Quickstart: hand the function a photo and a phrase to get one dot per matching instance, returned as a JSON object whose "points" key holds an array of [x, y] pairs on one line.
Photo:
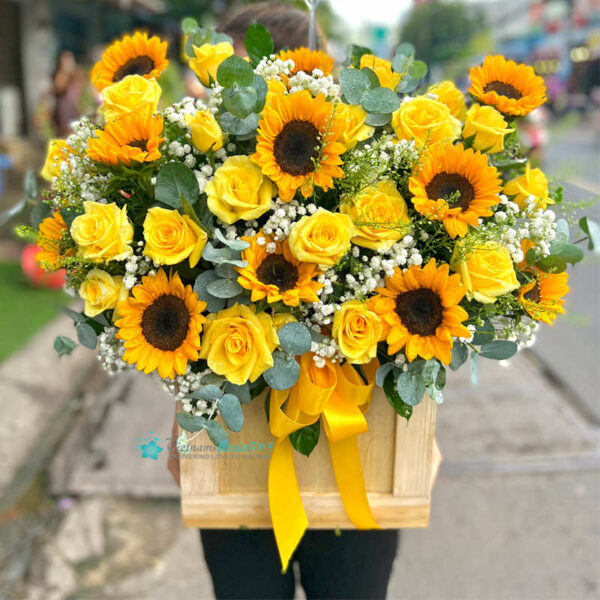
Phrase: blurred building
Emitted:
{"points": [[34, 32]]}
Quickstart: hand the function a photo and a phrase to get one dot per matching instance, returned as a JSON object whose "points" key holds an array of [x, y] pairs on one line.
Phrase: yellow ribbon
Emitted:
{"points": [[339, 395]]}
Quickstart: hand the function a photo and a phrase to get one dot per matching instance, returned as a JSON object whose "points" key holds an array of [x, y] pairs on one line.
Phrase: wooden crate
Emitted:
{"points": [[229, 490]]}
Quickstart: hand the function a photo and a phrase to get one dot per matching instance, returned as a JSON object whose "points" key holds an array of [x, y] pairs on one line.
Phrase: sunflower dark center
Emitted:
{"points": [[141, 144], [503, 89], [165, 322], [138, 65], [275, 270], [533, 295], [420, 311], [296, 147], [457, 190]]}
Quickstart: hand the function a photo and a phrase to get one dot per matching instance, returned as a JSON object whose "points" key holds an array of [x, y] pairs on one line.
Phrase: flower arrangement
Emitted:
{"points": [[310, 234]]}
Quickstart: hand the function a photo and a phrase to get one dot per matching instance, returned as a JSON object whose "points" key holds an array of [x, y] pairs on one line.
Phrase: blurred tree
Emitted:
{"points": [[442, 32]]}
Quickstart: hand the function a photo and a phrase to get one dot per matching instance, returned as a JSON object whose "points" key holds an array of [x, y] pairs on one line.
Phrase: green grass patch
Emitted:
{"points": [[24, 309]]}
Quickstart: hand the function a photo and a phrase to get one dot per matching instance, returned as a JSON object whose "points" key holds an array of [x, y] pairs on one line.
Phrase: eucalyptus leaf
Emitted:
{"points": [[240, 102], [231, 412], [382, 373], [356, 53], [483, 334], [234, 70], [380, 100], [304, 440], [222, 255], [86, 335], [236, 126], [430, 371], [378, 120], [405, 49], [213, 304], [354, 84], [242, 392], [64, 345], [371, 77], [499, 349], [391, 393], [592, 229], [460, 353], [571, 253], [294, 338], [261, 87], [226, 271], [70, 213], [411, 388], [224, 288], [236, 245], [552, 264], [418, 69], [176, 182], [73, 314], [189, 26], [191, 423], [212, 379], [209, 392], [283, 374], [216, 433]]}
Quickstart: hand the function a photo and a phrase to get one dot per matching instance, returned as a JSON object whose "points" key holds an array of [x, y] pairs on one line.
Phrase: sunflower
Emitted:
{"points": [[307, 60], [456, 186], [161, 324], [133, 137], [420, 312], [277, 275], [132, 55], [51, 241], [514, 89], [542, 296], [297, 143]]}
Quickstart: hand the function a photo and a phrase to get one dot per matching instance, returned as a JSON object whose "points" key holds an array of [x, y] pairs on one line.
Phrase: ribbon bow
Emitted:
{"points": [[340, 396]]}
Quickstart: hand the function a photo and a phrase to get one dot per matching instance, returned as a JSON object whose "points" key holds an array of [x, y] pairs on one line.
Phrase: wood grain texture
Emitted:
{"points": [[228, 489]]}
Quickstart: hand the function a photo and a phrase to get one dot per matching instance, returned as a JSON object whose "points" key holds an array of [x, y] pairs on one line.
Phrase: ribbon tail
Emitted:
{"points": [[347, 468], [287, 511]]}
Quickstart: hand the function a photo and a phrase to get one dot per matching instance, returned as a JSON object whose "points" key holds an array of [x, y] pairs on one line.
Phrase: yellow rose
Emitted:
{"points": [[383, 70], [206, 133], [172, 237], [321, 238], [103, 232], [426, 121], [488, 126], [101, 291], [486, 271], [239, 190], [238, 343], [281, 319], [207, 60], [380, 203], [58, 151], [447, 93], [357, 330], [133, 94], [356, 129], [532, 183]]}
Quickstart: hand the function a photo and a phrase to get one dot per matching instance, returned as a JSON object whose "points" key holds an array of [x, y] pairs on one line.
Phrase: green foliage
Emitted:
{"points": [[235, 71], [284, 372], [592, 230], [175, 183], [39, 212], [64, 345], [231, 411], [380, 100], [238, 126], [294, 338], [240, 102], [305, 439], [499, 349], [391, 393], [258, 42], [460, 353]]}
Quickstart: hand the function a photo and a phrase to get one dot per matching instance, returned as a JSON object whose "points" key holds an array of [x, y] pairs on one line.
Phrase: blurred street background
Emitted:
{"points": [[516, 510]]}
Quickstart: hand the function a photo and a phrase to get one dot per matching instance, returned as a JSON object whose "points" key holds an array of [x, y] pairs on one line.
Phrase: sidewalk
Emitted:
{"points": [[515, 511]]}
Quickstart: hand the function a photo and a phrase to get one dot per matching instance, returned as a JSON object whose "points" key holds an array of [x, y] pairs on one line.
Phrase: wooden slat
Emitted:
{"points": [[414, 451]]}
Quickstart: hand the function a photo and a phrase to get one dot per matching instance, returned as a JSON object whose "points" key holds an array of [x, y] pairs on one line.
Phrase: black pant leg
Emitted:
{"points": [[354, 565], [245, 564]]}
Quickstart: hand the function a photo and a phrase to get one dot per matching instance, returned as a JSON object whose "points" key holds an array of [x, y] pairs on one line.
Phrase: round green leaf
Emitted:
{"points": [[391, 393], [236, 125], [371, 77], [552, 264], [224, 288], [354, 84], [174, 183], [235, 71], [240, 101], [216, 433], [380, 100], [283, 374], [499, 349], [405, 49], [210, 393], [64, 345], [418, 69], [86, 335], [294, 338]]}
